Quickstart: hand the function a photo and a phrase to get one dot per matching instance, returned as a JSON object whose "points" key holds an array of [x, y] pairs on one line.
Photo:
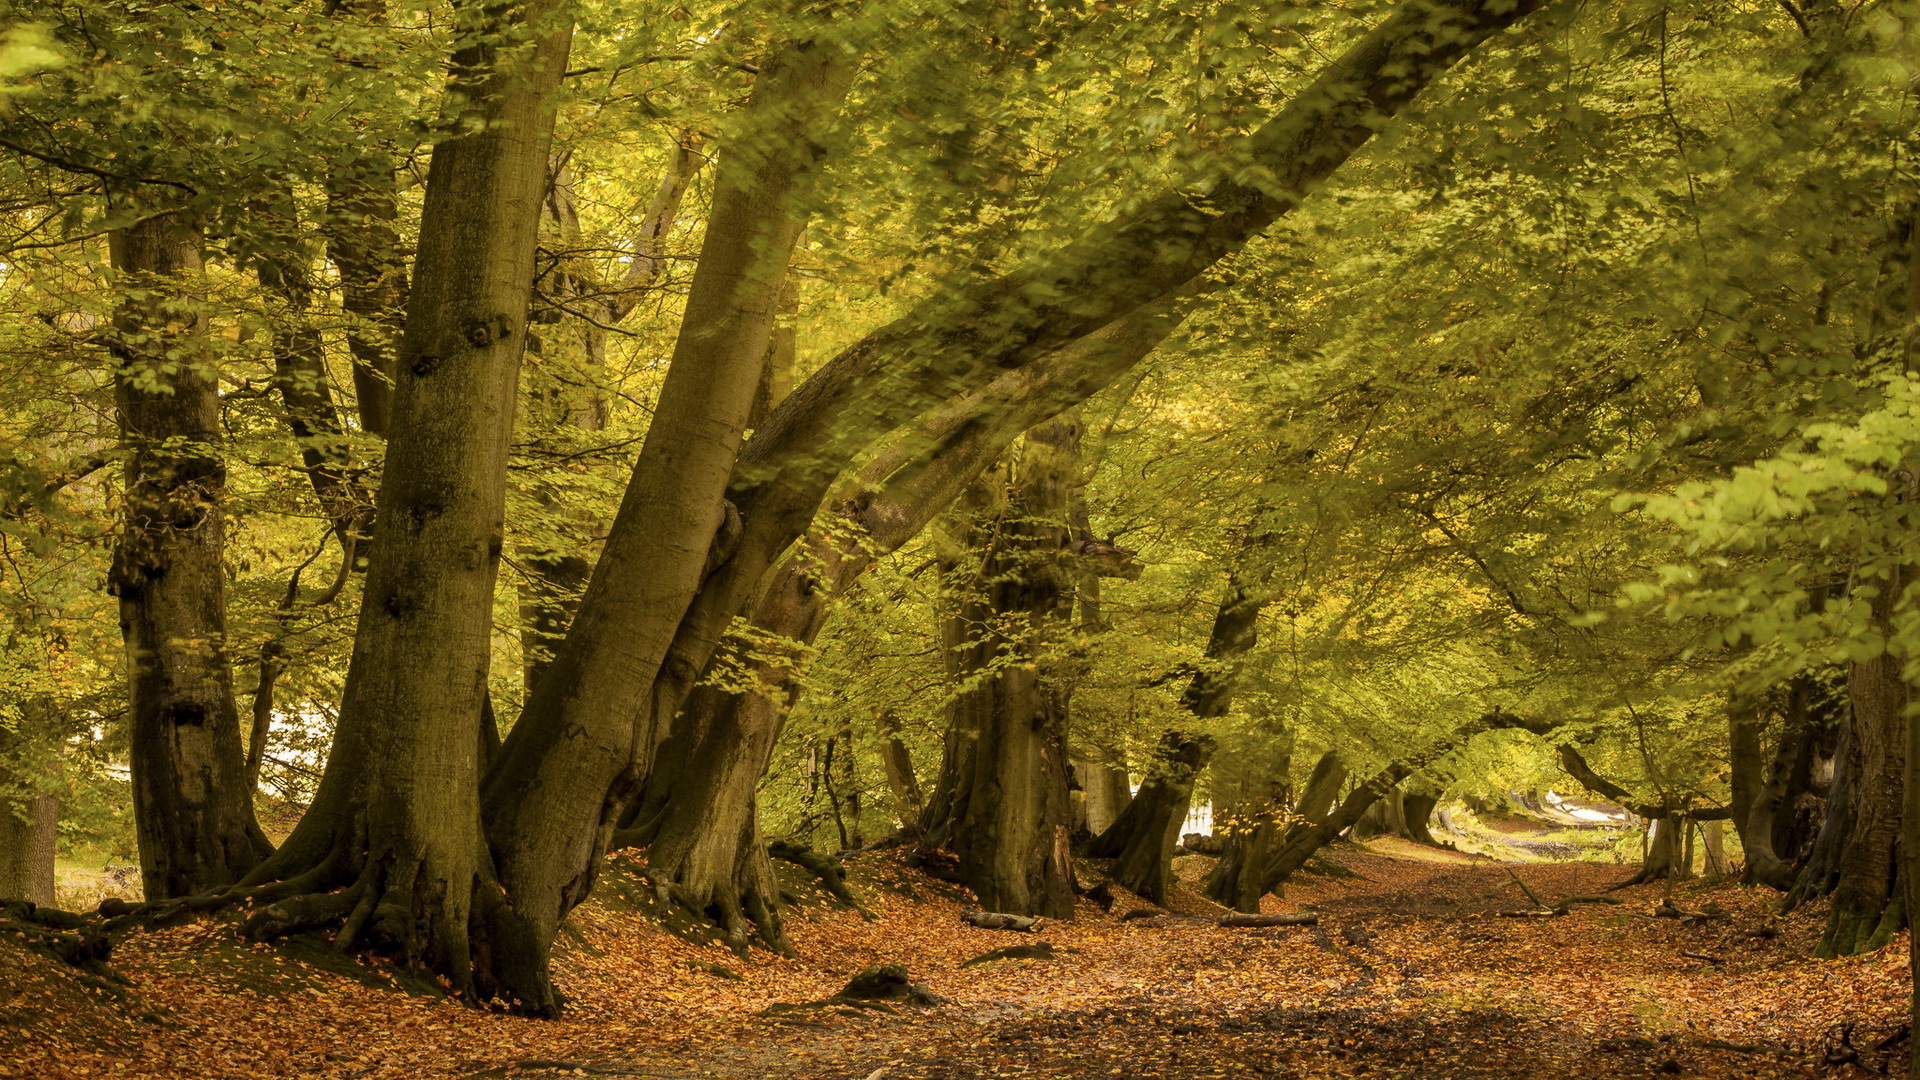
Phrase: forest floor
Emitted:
{"points": [[1410, 972]]}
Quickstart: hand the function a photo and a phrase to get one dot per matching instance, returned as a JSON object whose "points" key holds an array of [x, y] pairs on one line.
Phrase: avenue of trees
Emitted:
{"points": [[502, 434]]}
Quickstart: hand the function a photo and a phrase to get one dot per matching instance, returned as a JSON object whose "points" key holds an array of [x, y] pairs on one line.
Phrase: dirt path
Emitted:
{"points": [[1410, 972]]}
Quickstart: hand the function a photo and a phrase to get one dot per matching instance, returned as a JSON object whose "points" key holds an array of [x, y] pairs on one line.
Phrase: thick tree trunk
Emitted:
{"points": [[1662, 858], [1004, 806], [586, 742], [397, 817], [1713, 845], [29, 809], [193, 808], [1867, 910], [1383, 818], [1416, 818]]}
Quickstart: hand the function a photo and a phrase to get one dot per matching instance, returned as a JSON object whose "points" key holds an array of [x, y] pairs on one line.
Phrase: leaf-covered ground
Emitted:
{"points": [[1411, 972]]}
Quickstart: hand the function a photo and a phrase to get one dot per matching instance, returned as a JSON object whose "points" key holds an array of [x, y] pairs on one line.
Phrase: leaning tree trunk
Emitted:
{"points": [[889, 503], [586, 741], [1238, 880], [392, 852], [193, 807], [637, 647], [1141, 842]]}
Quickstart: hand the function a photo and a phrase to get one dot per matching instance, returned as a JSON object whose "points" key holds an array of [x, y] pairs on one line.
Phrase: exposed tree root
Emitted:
{"points": [[431, 912], [741, 902], [825, 867], [75, 940]]}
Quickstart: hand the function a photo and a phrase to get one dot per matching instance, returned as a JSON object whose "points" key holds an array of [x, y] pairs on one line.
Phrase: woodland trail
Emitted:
{"points": [[1411, 972]]}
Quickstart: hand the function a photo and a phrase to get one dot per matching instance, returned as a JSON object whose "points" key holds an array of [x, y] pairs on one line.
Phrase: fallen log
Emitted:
{"points": [[1534, 913], [1302, 918], [993, 920]]}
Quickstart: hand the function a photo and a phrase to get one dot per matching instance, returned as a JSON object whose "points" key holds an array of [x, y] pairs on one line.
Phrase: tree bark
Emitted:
{"points": [[193, 808], [890, 502], [1105, 792], [1142, 841], [29, 809], [895, 759], [396, 821], [1766, 798], [1005, 808], [1416, 817], [585, 742], [1238, 879], [1866, 909]]}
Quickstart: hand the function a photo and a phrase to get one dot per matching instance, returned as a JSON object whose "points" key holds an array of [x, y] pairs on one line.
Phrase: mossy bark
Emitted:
{"points": [[193, 805]]}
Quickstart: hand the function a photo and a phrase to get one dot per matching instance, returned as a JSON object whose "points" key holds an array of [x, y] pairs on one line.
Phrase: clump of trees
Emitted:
{"points": [[512, 433]]}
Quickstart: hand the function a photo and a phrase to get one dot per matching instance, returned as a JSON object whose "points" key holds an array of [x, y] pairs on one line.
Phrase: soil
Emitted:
{"points": [[1411, 971]]}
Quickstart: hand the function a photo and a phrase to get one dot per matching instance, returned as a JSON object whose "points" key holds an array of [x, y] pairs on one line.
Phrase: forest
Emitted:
{"points": [[565, 524]]}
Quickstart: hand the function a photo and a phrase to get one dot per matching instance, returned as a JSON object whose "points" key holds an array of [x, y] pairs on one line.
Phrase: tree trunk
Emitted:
{"points": [[1416, 817], [1866, 910], [1239, 880], [577, 756], [889, 503], [29, 810], [586, 741], [193, 808], [1004, 787], [392, 851], [1105, 792], [1713, 843], [898, 763], [1141, 841], [1386, 817]]}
